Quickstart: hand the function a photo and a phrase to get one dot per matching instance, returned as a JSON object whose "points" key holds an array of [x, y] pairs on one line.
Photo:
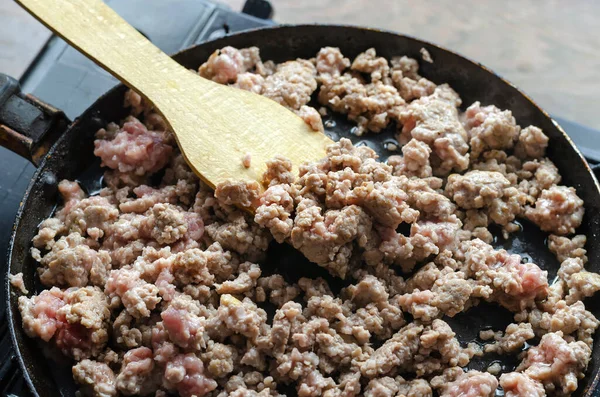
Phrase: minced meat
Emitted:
{"points": [[159, 285]]}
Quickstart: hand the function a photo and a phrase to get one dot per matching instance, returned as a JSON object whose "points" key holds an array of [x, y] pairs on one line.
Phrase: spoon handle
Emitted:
{"points": [[119, 48]]}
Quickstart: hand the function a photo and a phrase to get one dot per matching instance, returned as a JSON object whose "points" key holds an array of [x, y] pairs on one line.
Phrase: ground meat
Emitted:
{"points": [[72, 263], [516, 384], [447, 293], [414, 160], [471, 384], [250, 82], [159, 285], [565, 247], [237, 193], [476, 189], [134, 149], [330, 62], [532, 143], [504, 277], [311, 117], [75, 319], [556, 363], [138, 296], [136, 375], [292, 84], [490, 128], [434, 121], [514, 339], [16, 280], [558, 210], [372, 105], [225, 65], [97, 379], [368, 62]]}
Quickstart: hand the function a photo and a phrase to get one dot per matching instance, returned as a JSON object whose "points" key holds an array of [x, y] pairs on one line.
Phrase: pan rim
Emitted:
{"points": [[12, 317]]}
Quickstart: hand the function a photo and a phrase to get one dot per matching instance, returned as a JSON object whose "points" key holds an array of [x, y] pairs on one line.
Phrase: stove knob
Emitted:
{"points": [[258, 8]]}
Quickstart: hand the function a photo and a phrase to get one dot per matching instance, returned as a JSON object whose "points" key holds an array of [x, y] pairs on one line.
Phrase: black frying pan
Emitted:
{"points": [[35, 131]]}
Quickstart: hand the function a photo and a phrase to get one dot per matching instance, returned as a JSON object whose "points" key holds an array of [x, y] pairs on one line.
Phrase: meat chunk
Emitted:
{"points": [[97, 379], [237, 193], [368, 62], [490, 128], [330, 62], [471, 384], [76, 319], [371, 105], [414, 160], [565, 247], [434, 121], [507, 279], [225, 65], [292, 84], [532, 143], [516, 384], [16, 281], [134, 149], [136, 376], [138, 296], [558, 210], [476, 189], [556, 363]]}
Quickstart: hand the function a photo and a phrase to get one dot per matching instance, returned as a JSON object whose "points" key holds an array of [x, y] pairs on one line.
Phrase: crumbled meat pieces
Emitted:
{"points": [[237, 193], [372, 105], [514, 338], [159, 285], [490, 128], [558, 210], [134, 149], [434, 121], [565, 247], [476, 189], [225, 65], [97, 379], [292, 84], [516, 384], [532, 143], [16, 280], [330, 62], [471, 384], [556, 363], [75, 319]]}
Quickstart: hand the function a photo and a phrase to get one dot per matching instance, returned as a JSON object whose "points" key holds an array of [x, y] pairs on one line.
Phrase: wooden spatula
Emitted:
{"points": [[215, 125]]}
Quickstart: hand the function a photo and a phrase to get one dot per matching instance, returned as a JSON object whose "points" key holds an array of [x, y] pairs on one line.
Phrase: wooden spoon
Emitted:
{"points": [[215, 125]]}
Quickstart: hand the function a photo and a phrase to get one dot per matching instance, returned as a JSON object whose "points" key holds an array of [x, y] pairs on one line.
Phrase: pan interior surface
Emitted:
{"points": [[71, 158]]}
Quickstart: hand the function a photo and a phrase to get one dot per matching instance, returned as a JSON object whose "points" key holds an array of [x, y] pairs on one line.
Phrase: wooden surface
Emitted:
{"points": [[215, 125], [549, 48]]}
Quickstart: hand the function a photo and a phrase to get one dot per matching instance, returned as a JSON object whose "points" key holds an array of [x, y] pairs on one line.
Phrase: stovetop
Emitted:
{"points": [[69, 81], [66, 79]]}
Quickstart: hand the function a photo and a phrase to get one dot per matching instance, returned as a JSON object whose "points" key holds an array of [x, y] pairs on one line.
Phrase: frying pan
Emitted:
{"points": [[64, 151]]}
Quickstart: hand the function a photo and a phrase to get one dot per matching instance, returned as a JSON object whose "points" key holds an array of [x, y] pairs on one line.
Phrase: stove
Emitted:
{"points": [[63, 77]]}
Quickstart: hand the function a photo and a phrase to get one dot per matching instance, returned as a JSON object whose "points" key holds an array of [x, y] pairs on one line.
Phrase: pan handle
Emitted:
{"points": [[28, 126]]}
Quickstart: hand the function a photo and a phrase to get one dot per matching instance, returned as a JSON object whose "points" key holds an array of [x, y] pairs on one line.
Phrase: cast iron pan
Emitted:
{"points": [[70, 156]]}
